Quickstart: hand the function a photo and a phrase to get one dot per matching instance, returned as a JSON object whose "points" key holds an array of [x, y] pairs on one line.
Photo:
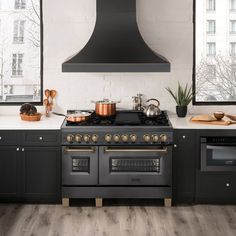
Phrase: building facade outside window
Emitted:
{"points": [[232, 5], [211, 49], [17, 64], [20, 4], [18, 32], [211, 26], [233, 26], [211, 6]]}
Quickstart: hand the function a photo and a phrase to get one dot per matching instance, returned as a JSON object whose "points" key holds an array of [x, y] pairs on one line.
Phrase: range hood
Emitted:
{"points": [[116, 44]]}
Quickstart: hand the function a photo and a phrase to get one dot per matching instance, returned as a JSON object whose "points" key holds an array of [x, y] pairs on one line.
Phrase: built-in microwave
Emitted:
{"points": [[218, 153]]}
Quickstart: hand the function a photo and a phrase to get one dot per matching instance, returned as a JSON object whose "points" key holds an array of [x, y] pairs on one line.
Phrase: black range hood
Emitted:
{"points": [[116, 44]]}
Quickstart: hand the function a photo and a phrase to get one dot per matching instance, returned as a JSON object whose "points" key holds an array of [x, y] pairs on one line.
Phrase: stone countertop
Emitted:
{"points": [[185, 123], [14, 122]]}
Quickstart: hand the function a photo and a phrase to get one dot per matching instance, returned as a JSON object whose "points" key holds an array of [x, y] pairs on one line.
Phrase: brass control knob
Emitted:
{"points": [[86, 138], [163, 138], [155, 138], [108, 138], [94, 138], [133, 138], [70, 138], [146, 138], [78, 138], [116, 138], [125, 138]]}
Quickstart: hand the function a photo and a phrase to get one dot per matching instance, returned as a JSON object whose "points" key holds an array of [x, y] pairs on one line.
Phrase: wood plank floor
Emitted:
{"points": [[55, 220]]}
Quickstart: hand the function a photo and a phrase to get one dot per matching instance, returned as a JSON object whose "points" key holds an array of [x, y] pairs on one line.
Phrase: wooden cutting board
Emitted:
{"points": [[210, 120]]}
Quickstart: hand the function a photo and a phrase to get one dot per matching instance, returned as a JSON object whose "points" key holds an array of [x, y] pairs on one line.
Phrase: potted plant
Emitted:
{"points": [[182, 97]]}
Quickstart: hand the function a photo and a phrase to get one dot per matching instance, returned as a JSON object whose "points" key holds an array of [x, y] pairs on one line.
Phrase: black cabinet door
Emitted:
{"points": [[9, 173], [41, 174], [184, 159]]}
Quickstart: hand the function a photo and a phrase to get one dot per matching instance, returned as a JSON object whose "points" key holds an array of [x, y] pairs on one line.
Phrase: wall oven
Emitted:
{"points": [[218, 154]]}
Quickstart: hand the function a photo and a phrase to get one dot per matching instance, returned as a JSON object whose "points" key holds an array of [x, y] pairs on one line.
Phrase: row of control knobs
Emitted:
{"points": [[116, 138]]}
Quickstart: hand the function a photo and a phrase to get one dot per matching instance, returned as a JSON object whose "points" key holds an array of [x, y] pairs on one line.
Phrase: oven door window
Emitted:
{"points": [[80, 164], [221, 155], [141, 164]]}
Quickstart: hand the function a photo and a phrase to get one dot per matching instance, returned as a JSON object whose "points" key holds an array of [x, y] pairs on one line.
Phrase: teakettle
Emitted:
{"points": [[152, 110]]}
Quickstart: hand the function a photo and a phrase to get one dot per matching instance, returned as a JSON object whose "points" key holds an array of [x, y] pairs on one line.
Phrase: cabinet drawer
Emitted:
{"points": [[216, 185], [43, 138], [8, 138]]}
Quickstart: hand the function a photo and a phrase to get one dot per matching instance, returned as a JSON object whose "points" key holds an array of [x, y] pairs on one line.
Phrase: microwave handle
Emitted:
{"points": [[219, 147]]}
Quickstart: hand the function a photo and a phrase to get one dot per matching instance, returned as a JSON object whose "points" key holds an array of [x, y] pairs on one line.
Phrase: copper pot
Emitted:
{"points": [[105, 107]]}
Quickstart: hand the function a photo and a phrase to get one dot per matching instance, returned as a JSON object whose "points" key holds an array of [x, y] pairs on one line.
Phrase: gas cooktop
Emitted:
{"points": [[123, 118]]}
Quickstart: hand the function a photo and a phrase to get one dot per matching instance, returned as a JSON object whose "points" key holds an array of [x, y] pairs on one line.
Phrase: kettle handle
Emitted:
{"points": [[153, 99]]}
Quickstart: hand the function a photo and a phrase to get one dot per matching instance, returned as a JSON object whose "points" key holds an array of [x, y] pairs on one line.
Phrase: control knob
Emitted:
{"points": [[146, 138], [70, 138], [133, 138], [94, 138], [155, 138], [116, 138], [78, 138], [86, 138], [125, 138], [163, 138], [108, 138]]}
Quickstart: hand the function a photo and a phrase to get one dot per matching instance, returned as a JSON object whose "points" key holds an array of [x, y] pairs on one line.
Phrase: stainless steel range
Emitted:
{"points": [[125, 156]]}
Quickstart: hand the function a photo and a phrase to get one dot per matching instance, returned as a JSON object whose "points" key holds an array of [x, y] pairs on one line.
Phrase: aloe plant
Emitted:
{"points": [[183, 96]]}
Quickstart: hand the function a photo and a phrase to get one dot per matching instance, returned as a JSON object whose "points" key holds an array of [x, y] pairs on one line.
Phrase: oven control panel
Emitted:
{"points": [[117, 138]]}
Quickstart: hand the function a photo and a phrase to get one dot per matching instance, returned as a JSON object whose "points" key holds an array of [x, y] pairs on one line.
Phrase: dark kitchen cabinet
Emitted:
{"points": [[30, 170], [184, 165]]}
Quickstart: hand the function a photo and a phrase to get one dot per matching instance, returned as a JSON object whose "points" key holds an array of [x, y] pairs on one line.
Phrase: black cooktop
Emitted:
{"points": [[124, 118]]}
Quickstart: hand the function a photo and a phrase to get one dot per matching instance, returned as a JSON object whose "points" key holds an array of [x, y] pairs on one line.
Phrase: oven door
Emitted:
{"points": [[133, 165], [218, 157], [79, 165]]}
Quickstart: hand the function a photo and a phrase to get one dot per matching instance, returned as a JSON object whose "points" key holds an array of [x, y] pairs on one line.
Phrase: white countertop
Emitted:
{"points": [[185, 123], [14, 122]]}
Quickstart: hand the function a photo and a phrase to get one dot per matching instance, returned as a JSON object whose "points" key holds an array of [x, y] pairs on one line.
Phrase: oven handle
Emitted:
{"points": [[79, 150], [164, 150], [219, 147]]}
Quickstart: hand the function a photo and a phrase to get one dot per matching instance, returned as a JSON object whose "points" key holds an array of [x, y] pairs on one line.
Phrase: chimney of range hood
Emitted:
{"points": [[116, 44]]}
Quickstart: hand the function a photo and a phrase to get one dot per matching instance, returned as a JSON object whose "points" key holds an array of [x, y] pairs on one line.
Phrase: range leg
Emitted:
{"points": [[65, 202], [168, 202], [98, 202]]}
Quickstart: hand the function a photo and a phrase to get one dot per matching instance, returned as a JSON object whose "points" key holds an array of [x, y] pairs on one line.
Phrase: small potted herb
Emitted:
{"points": [[182, 97]]}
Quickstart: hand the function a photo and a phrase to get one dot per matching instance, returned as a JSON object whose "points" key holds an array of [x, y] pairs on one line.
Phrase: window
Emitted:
{"points": [[18, 32], [211, 26], [211, 5], [233, 26], [17, 61], [233, 48], [20, 4], [211, 49], [232, 5], [214, 75], [21, 50]]}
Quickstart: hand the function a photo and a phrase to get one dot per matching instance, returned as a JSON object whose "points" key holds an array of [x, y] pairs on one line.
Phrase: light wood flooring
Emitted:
{"points": [[115, 220]]}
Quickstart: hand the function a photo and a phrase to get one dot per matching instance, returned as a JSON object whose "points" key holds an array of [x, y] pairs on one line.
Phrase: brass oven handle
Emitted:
{"points": [[164, 150], [79, 150]]}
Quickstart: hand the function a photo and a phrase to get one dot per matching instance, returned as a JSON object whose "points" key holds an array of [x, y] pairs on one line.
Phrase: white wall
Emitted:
{"points": [[167, 28]]}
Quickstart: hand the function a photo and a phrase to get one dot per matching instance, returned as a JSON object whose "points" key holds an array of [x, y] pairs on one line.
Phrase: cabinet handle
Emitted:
{"points": [[175, 145], [0, 138], [184, 137], [40, 138], [22, 149], [18, 149], [227, 184]]}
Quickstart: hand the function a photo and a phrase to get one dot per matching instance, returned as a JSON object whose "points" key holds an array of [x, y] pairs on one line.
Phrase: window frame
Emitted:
{"points": [[41, 66], [194, 102]]}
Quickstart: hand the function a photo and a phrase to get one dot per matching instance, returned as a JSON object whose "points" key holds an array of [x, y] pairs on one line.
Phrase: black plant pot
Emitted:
{"points": [[181, 111]]}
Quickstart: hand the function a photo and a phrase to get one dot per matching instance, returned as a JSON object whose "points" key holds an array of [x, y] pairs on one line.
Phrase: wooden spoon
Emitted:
{"points": [[47, 93], [53, 93]]}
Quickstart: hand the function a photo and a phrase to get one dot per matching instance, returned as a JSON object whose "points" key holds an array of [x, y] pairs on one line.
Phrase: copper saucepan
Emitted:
{"points": [[76, 117], [105, 107]]}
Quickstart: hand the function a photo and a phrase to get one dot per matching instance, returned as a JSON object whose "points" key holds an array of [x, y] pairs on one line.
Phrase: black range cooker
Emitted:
{"points": [[125, 156]]}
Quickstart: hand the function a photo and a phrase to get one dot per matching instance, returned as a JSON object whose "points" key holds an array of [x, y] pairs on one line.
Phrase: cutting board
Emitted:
{"points": [[210, 120]]}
